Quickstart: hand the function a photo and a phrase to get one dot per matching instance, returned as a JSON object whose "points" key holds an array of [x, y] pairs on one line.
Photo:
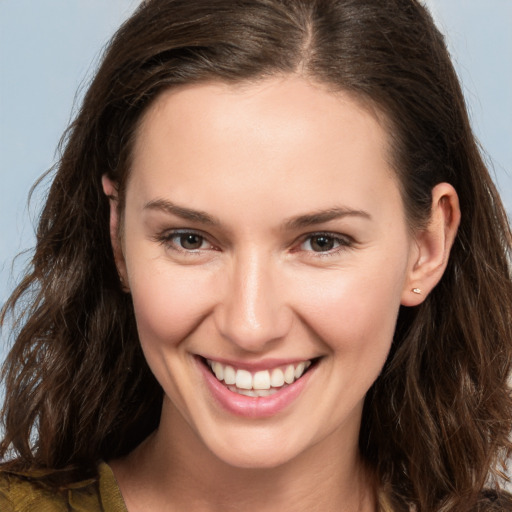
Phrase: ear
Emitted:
{"points": [[433, 244], [110, 190]]}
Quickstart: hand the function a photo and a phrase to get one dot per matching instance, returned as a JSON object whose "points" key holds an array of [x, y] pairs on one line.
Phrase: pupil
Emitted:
{"points": [[191, 241], [322, 243]]}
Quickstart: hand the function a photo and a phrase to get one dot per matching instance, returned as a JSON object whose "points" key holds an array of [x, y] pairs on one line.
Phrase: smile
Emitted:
{"points": [[261, 383], [257, 390]]}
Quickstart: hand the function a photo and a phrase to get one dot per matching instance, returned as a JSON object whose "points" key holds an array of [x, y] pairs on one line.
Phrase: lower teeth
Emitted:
{"points": [[254, 392]]}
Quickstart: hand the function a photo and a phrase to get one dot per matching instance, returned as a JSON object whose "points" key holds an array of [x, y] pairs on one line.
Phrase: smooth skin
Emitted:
{"points": [[264, 221]]}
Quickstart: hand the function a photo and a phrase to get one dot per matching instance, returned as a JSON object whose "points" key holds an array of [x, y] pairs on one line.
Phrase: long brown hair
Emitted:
{"points": [[436, 422]]}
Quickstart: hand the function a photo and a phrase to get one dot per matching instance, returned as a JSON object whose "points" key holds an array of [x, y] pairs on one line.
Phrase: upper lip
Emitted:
{"points": [[262, 364]]}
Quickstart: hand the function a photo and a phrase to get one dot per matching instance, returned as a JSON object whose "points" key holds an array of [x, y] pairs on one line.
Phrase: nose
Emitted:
{"points": [[253, 313]]}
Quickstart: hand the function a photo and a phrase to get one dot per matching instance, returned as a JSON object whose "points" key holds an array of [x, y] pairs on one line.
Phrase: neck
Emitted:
{"points": [[173, 470]]}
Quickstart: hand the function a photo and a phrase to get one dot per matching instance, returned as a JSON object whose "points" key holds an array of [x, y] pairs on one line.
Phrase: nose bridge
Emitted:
{"points": [[254, 312]]}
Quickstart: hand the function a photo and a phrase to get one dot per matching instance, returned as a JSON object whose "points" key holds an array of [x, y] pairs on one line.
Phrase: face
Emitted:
{"points": [[267, 253]]}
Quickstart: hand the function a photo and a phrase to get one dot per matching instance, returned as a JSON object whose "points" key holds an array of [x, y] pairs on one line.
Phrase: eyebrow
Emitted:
{"points": [[182, 212], [294, 223], [310, 219]]}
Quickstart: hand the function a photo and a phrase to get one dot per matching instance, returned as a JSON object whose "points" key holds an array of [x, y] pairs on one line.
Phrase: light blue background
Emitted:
{"points": [[49, 48]]}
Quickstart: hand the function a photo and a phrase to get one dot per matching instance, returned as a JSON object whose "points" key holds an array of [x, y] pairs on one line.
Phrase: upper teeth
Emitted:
{"points": [[265, 379]]}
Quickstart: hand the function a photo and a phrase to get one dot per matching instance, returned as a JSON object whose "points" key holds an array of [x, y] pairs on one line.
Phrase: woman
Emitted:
{"points": [[271, 273]]}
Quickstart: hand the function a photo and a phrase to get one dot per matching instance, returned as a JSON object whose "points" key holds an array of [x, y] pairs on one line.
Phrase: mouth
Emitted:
{"points": [[261, 383]]}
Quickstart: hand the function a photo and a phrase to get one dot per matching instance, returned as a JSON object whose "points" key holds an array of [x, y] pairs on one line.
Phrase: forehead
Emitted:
{"points": [[257, 140], [214, 103]]}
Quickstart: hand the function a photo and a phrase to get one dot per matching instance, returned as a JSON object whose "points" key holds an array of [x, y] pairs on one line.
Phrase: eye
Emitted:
{"points": [[320, 243], [185, 241], [324, 243], [189, 241]]}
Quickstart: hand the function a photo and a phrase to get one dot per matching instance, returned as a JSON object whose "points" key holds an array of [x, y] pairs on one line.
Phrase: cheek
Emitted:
{"points": [[355, 311], [169, 302]]}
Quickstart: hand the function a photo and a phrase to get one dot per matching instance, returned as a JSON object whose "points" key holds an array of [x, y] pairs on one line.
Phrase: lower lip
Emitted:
{"points": [[253, 407]]}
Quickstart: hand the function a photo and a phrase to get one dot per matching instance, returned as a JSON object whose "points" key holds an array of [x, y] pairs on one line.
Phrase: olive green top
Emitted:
{"points": [[21, 492], [28, 492]]}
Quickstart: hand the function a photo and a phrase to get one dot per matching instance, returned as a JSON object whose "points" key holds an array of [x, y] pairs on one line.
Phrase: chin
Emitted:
{"points": [[255, 459], [266, 452]]}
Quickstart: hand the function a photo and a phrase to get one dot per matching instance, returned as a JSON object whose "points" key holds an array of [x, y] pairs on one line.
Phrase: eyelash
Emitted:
{"points": [[341, 242]]}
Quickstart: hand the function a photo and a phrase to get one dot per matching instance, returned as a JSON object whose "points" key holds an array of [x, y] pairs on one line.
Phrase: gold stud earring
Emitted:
{"points": [[124, 287]]}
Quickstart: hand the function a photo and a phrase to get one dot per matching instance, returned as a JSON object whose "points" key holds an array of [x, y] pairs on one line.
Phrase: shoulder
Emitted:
{"points": [[20, 492], [41, 491]]}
